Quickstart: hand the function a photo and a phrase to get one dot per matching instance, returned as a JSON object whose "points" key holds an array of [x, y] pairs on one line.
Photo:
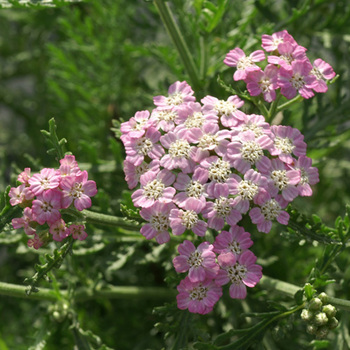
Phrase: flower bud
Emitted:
{"points": [[321, 319], [330, 310], [322, 332], [311, 329], [333, 323], [323, 297], [315, 304], [306, 315]]}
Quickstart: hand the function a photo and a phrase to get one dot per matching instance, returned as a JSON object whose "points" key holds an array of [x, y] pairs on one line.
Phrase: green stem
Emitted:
{"points": [[273, 108], [296, 99], [179, 42]]}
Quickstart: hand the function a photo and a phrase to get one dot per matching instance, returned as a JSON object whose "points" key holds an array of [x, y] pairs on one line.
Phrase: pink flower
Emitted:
{"points": [[77, 189], [179, 93], [180, 220], [289, 53], [246, 150], [283, 179], [244, 64], [46, 207], [199, 262], [198, 297], [35, 242], [241, 271], [133, 173], [136, 126], [193, 191], [158, 221], [253, 186], [255, 123], [179, 153], [269, 210], [78, 232], [59, 230], [297, 79], [25, 221], [138, 148], [154, 188], [221, 210], [165, 118], [24, 176], [270, 42], [309, 175], [46, 179], [235, 241], [287, 141], [20, 195], [263, 82], [68, 165], [227, 111], [322, 71]]}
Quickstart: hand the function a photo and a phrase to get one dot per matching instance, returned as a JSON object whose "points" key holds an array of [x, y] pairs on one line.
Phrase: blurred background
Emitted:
{"points": [[88, 63]]}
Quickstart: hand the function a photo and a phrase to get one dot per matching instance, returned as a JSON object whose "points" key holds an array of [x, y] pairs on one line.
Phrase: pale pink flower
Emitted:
{"points": [[137, 149], [322, 71], [179, 153], [136, 126], [24, 176], [283, 179], [269, 210], [77, 189], [59, 230], [221, 210], [199, 262], [47, 179], [181, 220], [164, 119], [297, 78], [78, 232], [288, 53], [35, 242], [227, 111], [68, 165], [287, 141], [25, 221], [158, 221], [20, 195], [244, 64], [192, 190], [309, 175], [270, 42], [240, 270], [133, 173], [46, 207], [154, 188], [252, 187], [263, 82], [179, 93], [198, 297], [255, 123], [236, 241], [246, 150]]}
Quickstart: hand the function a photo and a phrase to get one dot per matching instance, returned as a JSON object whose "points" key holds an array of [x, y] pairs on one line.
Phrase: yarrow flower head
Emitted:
{"points": [[45, 194]]}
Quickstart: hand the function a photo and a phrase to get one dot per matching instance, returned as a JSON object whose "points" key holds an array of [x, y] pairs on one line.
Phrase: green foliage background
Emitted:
{"points": [[88, 63]]}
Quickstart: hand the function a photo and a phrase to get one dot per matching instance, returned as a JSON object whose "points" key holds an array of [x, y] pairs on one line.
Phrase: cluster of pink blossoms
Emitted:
{"points": [[198, 166], [44, 194], [288, 68]]}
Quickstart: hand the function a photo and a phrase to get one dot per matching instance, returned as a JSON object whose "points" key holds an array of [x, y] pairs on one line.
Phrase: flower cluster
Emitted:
{"points": [[288, 68], [44, 194], [204, 166]]}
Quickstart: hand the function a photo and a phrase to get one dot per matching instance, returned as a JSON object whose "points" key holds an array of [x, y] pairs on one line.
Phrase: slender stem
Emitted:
{"points": [[179, 41], [298, 98], [272, 111]]}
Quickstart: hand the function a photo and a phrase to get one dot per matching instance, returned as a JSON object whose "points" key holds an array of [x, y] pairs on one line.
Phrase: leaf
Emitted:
{"points": [[35, 3], [298, 297]]}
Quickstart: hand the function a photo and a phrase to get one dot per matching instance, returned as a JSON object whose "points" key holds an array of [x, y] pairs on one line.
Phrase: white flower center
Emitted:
{"points": [[160, 222], [198, 293], [168, 116], [194, 189], [244, 62], [265, 85], [195, 259], [284, 144], [180, 149], [316, 72], [222, 206], [138, 125], [236, 273], [235, 247], [219, 171], [46, 206], [141, 169], [45, 182], [251, 152], [256, 129], [288, 58], [189, 218], [144, 145], [196, 120], [271, 209], [77, 190], [297, 81], [247, 189], [225, 108], [304, 177], [280, 179], [208, 142], [154, 189], [277, 41], [175, 99]]}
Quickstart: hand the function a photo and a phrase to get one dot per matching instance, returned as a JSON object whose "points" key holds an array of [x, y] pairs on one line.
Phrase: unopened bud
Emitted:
{"points": [[333, 323], [323, 297], [330, 310], [311, 329], [306, 315], [321, 319], [315, 304], [322, 332]]}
